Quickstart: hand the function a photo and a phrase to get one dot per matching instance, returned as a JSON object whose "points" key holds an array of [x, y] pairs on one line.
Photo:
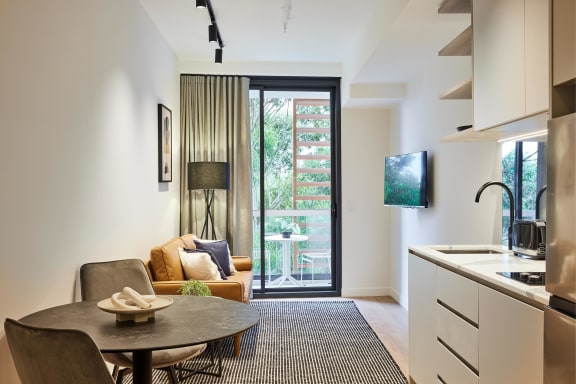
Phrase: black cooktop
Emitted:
{"points": [[530, 278]]}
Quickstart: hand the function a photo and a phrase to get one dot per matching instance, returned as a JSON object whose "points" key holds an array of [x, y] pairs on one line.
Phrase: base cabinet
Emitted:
{"points": [[421, 328], [511, 340], [462, 332]]}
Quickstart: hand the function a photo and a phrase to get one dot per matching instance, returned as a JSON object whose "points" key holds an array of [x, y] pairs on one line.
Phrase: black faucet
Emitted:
{"points": [[538, 196], [510, 196]]}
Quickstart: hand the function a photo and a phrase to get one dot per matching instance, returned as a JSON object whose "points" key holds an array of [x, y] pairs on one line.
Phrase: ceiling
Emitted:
{"points": [[375, 41]]}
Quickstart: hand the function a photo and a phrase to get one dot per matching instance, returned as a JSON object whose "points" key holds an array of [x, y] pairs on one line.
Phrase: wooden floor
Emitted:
{"points": [[390, 322]]}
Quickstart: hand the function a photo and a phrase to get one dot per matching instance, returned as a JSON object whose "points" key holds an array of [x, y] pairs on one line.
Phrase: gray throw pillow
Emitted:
{"points": [[220, 251]]}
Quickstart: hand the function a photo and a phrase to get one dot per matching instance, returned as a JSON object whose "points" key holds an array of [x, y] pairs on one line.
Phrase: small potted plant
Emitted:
{"points": [[288, 228], [195, 288]]}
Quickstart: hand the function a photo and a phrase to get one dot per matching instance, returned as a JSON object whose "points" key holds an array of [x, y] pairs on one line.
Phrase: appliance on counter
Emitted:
{"points": [[560, 315], [529, 238]]}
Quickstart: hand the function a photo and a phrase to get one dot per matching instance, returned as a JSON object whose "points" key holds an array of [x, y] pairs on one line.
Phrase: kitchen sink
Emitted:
{"points": [[470, 251]]}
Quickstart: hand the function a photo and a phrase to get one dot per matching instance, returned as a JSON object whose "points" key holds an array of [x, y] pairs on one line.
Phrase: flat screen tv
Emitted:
{"points": [[405, 180]]}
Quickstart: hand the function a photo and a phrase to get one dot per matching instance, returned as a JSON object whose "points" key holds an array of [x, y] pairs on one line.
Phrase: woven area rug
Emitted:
{"points": [[304, 342]]}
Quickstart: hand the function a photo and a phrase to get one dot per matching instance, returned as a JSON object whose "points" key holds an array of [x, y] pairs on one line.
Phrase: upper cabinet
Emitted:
{"points": [[563, 57], [510, 61]]}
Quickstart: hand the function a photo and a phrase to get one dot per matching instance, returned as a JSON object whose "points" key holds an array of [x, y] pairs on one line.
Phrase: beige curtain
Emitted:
{"points": [[215, 126]]}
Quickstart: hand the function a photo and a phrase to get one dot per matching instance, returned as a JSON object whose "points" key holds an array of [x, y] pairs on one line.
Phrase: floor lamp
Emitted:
{"points": [[208, 176]]}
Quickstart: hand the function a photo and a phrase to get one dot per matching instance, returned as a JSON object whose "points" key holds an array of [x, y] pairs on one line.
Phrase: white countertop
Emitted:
{"points": [[484, 266]]}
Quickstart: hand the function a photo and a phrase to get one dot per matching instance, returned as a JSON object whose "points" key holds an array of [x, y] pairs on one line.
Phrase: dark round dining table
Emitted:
{"points": [[190, 320]]}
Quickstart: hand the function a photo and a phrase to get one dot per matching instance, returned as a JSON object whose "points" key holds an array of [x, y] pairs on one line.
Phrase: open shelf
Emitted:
{"points": [[462, 91], [455, 6], [460, 46]]}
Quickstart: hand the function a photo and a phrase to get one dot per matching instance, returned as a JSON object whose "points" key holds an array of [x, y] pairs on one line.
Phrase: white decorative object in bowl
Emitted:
{"points": [[135, 314]]}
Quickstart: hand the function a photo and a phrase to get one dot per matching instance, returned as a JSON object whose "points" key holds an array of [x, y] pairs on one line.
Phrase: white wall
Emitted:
{"points": [[79, 87], [458, 170], [365, 220], [375, 238]]}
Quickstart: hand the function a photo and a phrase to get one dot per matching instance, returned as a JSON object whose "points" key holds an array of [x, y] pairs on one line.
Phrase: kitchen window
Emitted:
{"points": [[524, 172]]}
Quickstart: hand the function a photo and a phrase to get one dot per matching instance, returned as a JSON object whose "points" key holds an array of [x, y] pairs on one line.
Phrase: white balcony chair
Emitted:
{"points": [[310, 258]]}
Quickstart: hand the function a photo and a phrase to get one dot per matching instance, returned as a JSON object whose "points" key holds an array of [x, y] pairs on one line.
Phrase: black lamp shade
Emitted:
{"points": [[208, 175], [218, 56], [212, 33], [200, 3]]}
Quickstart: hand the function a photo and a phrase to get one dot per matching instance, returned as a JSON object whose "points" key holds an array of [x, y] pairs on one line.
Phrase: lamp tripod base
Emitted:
{"points": [[209, 216]]}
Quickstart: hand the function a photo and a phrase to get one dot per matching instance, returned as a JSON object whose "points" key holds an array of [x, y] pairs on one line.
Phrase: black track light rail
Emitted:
{"points": [[213, 21]]}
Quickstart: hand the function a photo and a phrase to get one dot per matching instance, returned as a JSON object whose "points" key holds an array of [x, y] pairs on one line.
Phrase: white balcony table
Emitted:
{"points": [[286, 259]]}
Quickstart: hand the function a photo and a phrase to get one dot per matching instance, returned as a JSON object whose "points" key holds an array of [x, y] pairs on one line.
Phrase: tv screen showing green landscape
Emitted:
{"points": [[405, 180]]}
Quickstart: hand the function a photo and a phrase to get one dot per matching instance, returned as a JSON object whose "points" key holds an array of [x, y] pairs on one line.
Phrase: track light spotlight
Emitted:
{"points": [[212, 33]]}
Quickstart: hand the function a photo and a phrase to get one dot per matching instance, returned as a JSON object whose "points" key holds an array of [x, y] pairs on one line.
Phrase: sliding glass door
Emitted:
{"points": [[295, 186]]}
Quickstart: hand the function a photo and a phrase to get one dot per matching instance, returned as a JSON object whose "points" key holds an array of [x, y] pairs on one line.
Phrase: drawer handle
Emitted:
{"points": [[467, 364], [460, 315]]}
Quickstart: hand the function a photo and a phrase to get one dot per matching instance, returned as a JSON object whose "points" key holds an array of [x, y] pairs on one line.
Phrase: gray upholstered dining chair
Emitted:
{"points": [[100, 280], [78, 359]]}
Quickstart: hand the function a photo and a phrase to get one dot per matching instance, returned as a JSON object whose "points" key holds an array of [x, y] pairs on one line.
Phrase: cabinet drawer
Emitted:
{"points": [[459, 335], [453, 371], [458, 293]]}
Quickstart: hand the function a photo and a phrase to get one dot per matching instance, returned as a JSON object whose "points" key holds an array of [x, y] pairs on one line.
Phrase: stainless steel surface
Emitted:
{"points": [[529, 238], [561, 208], [560, 327], [559, 348]]}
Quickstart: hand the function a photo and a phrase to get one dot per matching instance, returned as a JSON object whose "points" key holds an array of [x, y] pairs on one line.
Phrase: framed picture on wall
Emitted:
{"points": [[164, 144]]}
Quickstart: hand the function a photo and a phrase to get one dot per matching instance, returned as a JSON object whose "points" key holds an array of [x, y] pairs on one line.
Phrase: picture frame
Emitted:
{"points": [[164, 144]]}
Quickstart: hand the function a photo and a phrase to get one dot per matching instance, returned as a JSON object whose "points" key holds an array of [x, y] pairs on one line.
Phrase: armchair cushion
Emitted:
{"points": [[165, 261]]}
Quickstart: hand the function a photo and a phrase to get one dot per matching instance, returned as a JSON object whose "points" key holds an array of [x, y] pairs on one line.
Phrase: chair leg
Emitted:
{"points": [[115, 372], [268, 266], [172, 376], [313, 261], [237, 339], [120, 375]]}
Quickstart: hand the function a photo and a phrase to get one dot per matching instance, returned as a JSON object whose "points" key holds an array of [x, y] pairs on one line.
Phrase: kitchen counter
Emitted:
{"points": [[483, 268]]}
